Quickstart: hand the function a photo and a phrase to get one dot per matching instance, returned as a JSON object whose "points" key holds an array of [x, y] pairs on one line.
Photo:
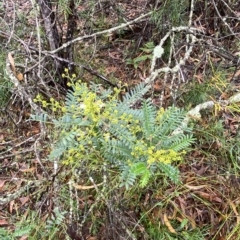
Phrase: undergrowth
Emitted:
{"points": [[31, 227]]}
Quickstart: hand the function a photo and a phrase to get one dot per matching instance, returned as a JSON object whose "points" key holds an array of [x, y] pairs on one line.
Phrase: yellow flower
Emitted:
{"points": [[44, 103], [163, 156]]}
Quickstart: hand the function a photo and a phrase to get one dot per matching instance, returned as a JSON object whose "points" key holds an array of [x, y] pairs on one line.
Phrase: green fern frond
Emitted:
{"points": [[170, 120], [71, 100], [168, 142], [127, 178], [149, 118], [65, 142], [182, 143], [58, 151], [23, 230], [103, 93], [170, 171], [145, 178], [136, 94], [117, 148], [138, 168], [57, 219], [5, 234], [123, 134], [42, 117], [67, 121], [123, 108], [68, 139]]}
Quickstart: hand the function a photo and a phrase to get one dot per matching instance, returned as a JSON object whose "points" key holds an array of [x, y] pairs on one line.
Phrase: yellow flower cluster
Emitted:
{"points": [[160, 113], [54, 105], [91, 106], [152, 155], [67, 75], [39, 98], [163, 156], [139, 149]]}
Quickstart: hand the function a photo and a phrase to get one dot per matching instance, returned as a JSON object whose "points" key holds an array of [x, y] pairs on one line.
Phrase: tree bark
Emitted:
{"points": [[50, 25]]}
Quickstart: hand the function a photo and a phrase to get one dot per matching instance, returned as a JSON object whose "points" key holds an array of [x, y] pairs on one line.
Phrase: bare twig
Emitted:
{"points": [[110, 30], [195, 112], [31, 184], [154, 73]]}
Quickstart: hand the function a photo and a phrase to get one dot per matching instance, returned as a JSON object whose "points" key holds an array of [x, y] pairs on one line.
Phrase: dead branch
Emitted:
{"points": [[107, 31], [195, 112]]}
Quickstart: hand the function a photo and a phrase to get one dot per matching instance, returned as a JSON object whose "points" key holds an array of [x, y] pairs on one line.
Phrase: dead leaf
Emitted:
{"points": [[183, 204], [146, 201], [1, 137], [195, 187], [114, 55], [92, 238], [168, 224], [12, 63], [81, 187], [24, 237], [11, 204], [19, 76], [28, 169], [237, 74], [3, 222], [2, 182], [208, 196], [235, 211], [24, 200]]}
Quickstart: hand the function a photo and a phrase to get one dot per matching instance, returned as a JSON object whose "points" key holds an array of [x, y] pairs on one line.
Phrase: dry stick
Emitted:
{"points": [[56, 167], [20, 91], [31, 184], [15, 154], [13, 25], [195, 112], [167, 73], [39, 45], [91, 71], [175, 69], [30, 139], [235, 13], [15, 37], [223, 19], [190, 20], [110, 30], [36, 150]]}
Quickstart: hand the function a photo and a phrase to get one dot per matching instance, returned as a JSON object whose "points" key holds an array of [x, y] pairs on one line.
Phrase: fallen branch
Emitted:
{"points": [[31, 184], [110, 30], [195, 112], [159, 51]]}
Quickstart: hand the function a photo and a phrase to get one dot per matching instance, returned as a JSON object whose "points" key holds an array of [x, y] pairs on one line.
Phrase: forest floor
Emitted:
{"points": [[207, 203]]}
